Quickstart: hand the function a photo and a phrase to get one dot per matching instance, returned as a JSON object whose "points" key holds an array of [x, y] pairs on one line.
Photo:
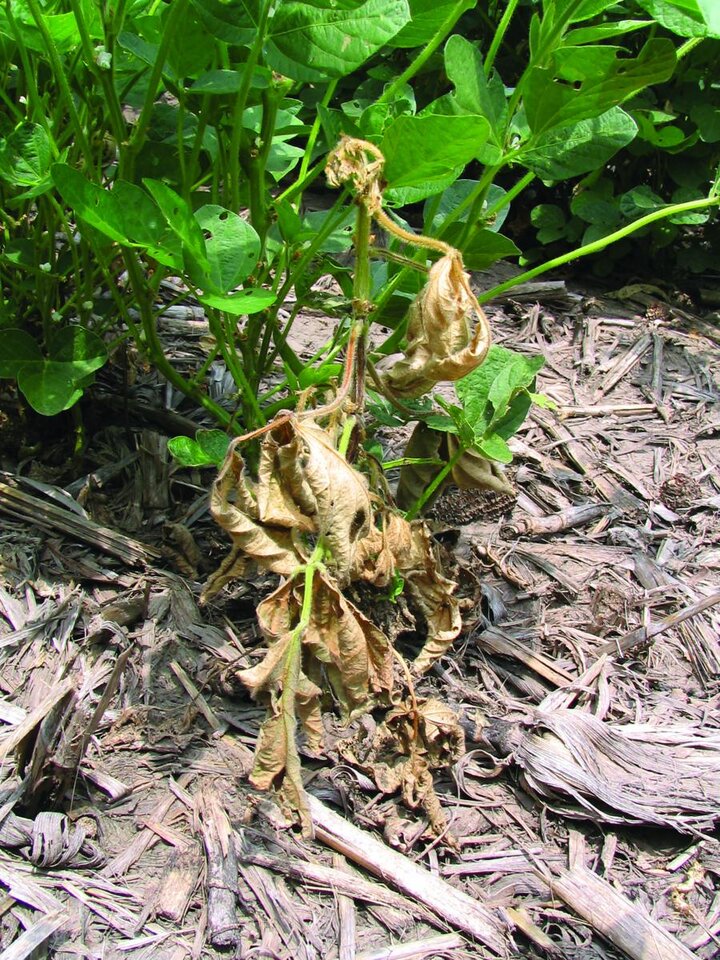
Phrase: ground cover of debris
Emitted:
{"points": [[583, 813]]}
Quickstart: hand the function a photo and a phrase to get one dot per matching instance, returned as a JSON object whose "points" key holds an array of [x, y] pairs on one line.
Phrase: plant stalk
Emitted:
{"points": [[597, 245]]}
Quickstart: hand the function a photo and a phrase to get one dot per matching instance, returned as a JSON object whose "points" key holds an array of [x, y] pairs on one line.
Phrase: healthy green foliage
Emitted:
{"points": [[180, 139], [208, 449], [53, 382], [495, 400]]}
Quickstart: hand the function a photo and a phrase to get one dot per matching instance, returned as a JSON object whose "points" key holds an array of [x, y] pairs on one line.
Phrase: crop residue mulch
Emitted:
{"points": [[583, 815]]}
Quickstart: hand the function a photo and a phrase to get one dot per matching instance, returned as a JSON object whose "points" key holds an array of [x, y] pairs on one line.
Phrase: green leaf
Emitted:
{"points": [[564, 152], [540, 400], [585, 82], [240, 303], [604, 31], [79, 348], [686, 18], [228, 20], [495, 448], [54, 383], [91, 203], [318, 39], [62, 28], [517, 375], [640, 201], [232, 245], [549, 219], [474, 390], [49, 387], [314, 376], [403, 196], [439, 421], [208, 449], [484, 247], [427, 16], [18, 348], [26, 156], [514, 417], [220, 82], [186, 228], [418, 149], [474, 92], [125, 214]]}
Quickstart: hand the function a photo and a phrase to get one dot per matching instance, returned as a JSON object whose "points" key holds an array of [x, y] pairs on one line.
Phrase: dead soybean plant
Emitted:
{"points": [[313, 518]]}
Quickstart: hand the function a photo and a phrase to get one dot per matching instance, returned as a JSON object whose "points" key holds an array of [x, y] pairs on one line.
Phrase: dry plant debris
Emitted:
{"points": [[598, 629]]}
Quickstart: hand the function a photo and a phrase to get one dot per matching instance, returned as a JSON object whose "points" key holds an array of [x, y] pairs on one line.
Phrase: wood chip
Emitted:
{"points": [[621, 921], [455, 907]]}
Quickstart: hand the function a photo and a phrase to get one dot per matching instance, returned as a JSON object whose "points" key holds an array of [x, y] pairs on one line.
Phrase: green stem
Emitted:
{"points": [[362, 304], [499, 35], [104, 77], [62, 82], [421, 59], [154, 348], [257, 165], [302, 184], [312, 136], [240, 104], [434, 484], [175, 15], [347, 432], [597, 245], [688, 46], [508, 197]]}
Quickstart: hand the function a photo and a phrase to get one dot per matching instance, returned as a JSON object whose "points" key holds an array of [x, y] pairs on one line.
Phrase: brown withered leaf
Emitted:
{"points": [[375, 556], [433, 592], [441, 345], [279, 679], [339, 642], [412, 741], [271, 548], [356, 654], [349, 649], [400, 547], [302, 471]]}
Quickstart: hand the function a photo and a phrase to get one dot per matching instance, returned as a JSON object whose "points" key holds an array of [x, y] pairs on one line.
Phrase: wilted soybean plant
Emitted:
{"points": [[320, 522]]}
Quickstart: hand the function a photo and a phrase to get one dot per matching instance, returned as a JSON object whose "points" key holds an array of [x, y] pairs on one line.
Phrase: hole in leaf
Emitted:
{"points": [[224, 215], [207, 234]]}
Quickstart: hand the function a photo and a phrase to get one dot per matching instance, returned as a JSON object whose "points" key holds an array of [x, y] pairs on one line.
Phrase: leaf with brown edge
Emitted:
{"points": [[322, 485], [441, 344], [424, 444], [270, 548], [473, 471]]}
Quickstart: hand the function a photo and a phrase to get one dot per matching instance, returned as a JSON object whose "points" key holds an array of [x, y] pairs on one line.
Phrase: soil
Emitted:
{"points": [[582, 816]]}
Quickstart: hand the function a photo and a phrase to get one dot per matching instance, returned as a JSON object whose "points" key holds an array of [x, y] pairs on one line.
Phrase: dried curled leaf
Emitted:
{"points": [[350, 163], [303, 485], [271, 548], [303, 476], [434, 593], [413, 740], [400, 547], [337, 642], [472, 471], [441, 345]]}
